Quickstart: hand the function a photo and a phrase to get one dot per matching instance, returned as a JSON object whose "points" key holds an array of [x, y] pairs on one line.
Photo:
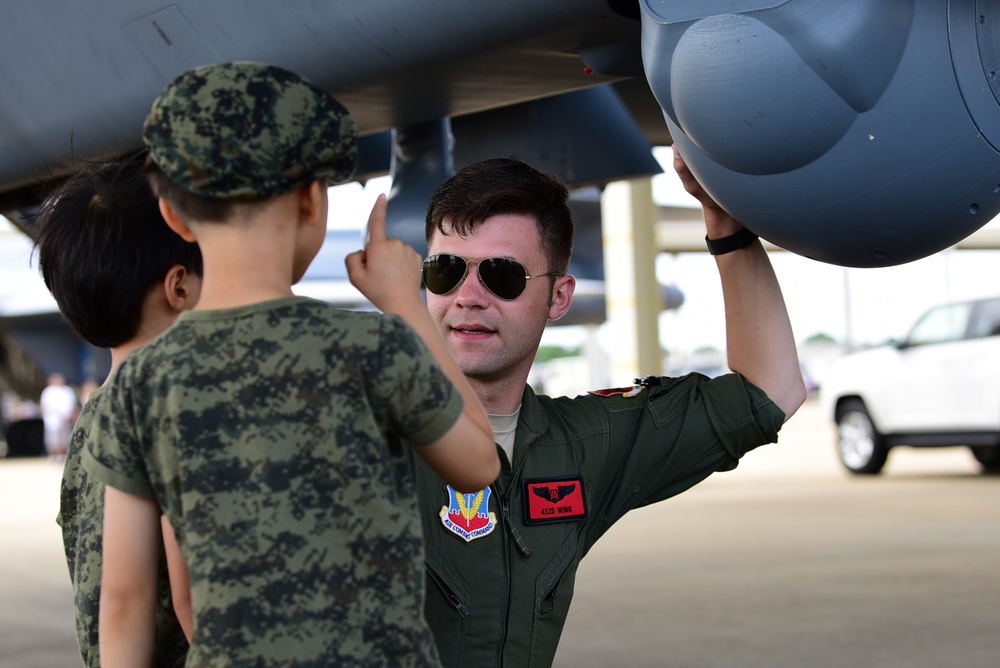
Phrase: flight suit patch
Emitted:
{"points": [[468, 516], [631, 391], [554, 500]]}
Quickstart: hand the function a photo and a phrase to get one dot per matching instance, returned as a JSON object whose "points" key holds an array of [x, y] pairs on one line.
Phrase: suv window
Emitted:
{"points": [[940, 325], [987, 320]]}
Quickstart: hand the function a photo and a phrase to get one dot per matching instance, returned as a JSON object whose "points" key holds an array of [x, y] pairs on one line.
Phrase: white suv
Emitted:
{"points": [[939, 387]]}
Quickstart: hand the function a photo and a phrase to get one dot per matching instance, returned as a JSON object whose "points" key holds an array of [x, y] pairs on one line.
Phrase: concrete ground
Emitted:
{"points": [[790, 562], [36, 602], [786, 562]]}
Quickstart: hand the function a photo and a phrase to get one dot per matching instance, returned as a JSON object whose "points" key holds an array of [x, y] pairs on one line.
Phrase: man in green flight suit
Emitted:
{"points": [[501, 563]]}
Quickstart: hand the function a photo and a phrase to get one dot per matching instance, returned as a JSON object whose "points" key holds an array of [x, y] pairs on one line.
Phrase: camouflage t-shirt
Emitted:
{"points": [[81, 516], [270, 434]]}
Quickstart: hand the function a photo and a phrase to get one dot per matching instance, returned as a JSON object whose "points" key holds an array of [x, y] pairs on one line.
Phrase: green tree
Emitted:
{"points": [[547, 353]]}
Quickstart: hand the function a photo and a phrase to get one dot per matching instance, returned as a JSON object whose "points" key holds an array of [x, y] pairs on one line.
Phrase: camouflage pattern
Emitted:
{"points": [[248, 131], [271, 435], [81, 516]]}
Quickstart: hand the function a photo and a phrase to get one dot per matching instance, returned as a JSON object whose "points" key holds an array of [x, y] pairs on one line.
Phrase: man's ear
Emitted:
{"points": [[177, 288], [562, 296], [175, 222]]}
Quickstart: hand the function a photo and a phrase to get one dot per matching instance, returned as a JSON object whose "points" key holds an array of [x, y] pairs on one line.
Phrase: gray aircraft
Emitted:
{"points": [[433, 86], [860, 132]]}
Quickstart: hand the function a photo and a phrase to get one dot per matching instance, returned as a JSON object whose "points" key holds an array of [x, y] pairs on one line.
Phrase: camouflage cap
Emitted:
{"points": [[244, 130]]}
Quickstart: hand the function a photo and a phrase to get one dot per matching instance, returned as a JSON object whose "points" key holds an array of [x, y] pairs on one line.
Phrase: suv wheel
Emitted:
{"points": [[860, 446], [988, 457]]}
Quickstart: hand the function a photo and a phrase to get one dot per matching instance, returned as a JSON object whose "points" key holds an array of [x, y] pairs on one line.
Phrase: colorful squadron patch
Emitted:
{"points": [[468, 516], [630, 391]]}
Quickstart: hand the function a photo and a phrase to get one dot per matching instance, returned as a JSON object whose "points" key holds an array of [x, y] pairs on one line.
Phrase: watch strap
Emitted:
{"points": [[739, 239]]}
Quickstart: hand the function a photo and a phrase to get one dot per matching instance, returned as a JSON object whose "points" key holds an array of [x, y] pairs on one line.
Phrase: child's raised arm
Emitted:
{"points": [[387, 272]]}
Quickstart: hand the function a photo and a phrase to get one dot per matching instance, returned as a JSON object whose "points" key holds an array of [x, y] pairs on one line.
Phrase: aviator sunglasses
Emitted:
{"points": [[504, 278]]}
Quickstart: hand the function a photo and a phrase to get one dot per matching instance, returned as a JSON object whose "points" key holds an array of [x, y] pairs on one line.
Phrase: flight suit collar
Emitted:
{"points": [[532, 423]]}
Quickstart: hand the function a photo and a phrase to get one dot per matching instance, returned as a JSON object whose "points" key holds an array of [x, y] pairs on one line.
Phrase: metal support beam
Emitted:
{"points": [[632, 292]]}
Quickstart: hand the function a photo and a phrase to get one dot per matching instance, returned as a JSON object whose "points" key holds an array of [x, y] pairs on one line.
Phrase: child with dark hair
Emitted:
{"points": [[120, 276]]}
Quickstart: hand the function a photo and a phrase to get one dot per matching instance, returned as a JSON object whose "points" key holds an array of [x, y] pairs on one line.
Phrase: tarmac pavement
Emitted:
{"points": [[36, 602], [790, 562], [787, 562]]}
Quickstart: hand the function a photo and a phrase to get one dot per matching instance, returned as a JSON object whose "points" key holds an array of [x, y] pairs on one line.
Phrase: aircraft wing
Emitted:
{"points": [[78, 77]]}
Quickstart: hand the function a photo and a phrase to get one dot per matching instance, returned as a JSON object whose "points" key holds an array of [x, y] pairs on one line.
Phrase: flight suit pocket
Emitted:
{"points": [[552, 583], [553, 593], [447, 612]]}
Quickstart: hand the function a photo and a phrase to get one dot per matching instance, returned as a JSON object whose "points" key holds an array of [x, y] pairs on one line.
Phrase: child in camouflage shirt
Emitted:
{"points": [[120, 276], [269, 427]]}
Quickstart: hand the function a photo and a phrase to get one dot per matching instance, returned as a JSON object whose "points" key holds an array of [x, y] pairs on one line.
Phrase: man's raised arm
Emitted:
{"points": [[759, 337]]}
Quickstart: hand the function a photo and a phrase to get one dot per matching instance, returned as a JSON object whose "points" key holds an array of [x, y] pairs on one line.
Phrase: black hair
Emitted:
{"points": [[505, 186], [103, 245]]}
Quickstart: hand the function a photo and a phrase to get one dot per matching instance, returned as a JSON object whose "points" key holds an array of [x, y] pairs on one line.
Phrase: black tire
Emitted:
{"points": [[988, 457], [860, 446]]}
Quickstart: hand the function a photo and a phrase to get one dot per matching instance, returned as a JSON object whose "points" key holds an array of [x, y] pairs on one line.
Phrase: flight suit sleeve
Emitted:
{"points": [[681, 432]]}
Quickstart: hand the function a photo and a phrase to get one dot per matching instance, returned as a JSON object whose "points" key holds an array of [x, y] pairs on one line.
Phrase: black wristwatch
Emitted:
{"points": [[735, 241]]}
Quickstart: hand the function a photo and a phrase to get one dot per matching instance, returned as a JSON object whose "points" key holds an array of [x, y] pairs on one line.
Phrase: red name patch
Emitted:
{"points": [[554, 500]]}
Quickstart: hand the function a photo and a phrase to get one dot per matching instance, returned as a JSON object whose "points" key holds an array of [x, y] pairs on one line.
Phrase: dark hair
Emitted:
{"points": [[505, 186], [102, 246], [188, 205]]}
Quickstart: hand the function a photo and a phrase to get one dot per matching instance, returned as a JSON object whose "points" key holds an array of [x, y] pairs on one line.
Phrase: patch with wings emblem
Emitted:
{"points": [[468, 516], [554, 500]]}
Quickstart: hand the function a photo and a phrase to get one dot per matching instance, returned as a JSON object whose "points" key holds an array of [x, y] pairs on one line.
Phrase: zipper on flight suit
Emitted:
{"points": [[549, 602], [505, 503], [456, 601], [511, 529], [515, 536]]}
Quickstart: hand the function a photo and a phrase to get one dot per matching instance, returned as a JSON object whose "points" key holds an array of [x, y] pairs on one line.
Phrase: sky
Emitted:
{"points": [[857, 307]]}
